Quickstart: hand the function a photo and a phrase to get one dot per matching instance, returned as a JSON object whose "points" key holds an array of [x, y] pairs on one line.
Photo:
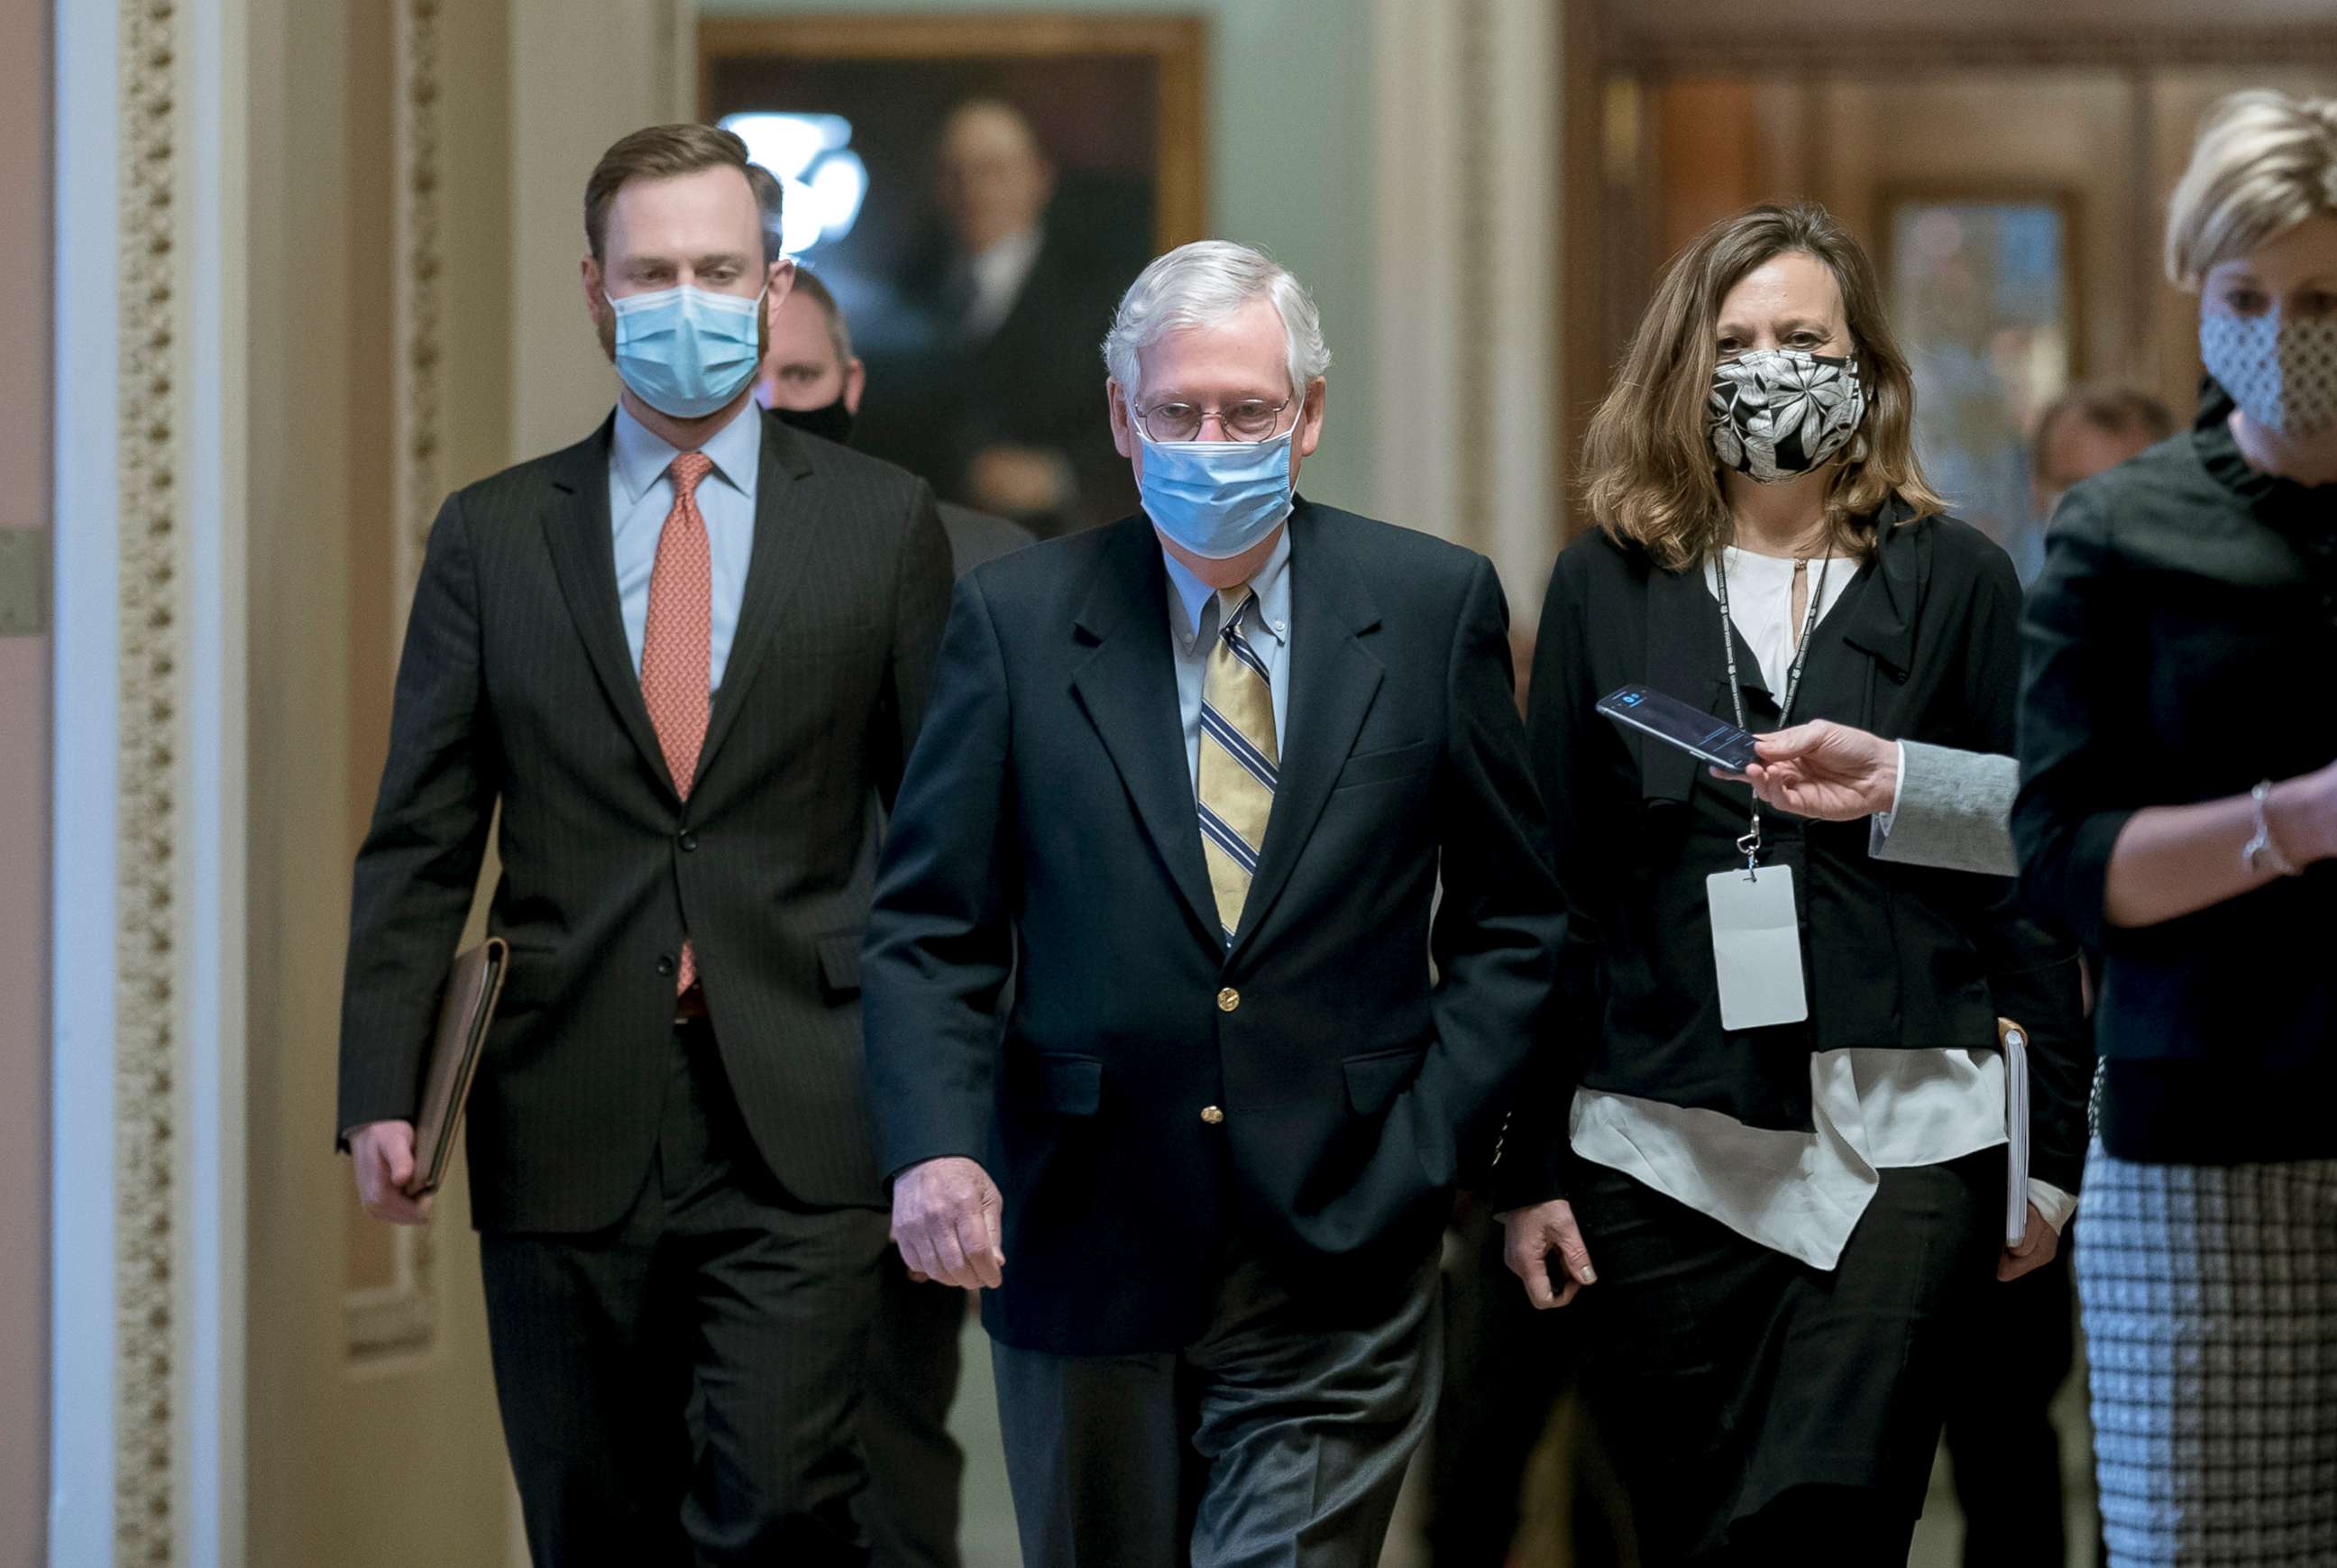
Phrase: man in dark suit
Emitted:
{"points": [[1192, 778], [685, 658]]}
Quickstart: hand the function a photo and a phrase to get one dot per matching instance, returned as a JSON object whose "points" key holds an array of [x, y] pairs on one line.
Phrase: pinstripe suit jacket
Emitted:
{"points": [[517, 690]]}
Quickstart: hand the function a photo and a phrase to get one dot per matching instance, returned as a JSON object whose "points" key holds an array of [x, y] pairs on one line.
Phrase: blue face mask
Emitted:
{"points": [[1217, 498], [686, 351]]}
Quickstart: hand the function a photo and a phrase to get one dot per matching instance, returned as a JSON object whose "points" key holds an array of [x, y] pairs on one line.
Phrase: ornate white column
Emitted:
{"points": [[147, 1428], [1467, 194]]}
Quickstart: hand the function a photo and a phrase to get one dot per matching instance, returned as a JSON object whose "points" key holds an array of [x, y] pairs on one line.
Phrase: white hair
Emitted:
{"points": [[1202, 285], [2265, 162]]}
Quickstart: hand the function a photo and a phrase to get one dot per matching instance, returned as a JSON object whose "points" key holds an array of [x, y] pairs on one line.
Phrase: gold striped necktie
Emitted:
{"points": [[1240, 759]]}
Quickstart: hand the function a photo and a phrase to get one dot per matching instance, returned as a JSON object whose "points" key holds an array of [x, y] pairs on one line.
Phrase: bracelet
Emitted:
{"points": [[2260, 855]]}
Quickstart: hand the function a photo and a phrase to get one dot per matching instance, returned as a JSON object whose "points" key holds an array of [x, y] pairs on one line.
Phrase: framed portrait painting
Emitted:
{"points": [[975, 193]]}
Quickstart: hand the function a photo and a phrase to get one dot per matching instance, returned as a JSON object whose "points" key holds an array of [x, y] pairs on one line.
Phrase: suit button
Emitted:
{"points": [[664, 965], [688, 842], [1212, 1115], [1229, 999]]}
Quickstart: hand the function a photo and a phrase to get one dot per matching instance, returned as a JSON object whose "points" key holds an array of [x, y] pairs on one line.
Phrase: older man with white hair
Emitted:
{"points": [[1192, 778]]}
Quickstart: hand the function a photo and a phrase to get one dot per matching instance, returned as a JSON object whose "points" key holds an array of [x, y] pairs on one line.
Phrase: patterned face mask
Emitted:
{"points": [[1778, 413], [2283, 373]]}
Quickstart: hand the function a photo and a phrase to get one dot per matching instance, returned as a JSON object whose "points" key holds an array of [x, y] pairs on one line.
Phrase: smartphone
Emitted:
{"points": [[1691, 728]]}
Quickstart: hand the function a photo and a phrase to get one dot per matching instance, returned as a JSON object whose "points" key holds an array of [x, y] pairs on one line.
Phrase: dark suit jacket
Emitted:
{"points": [[1048, 818], [1921, 645], [516, 688], [975, 537]]}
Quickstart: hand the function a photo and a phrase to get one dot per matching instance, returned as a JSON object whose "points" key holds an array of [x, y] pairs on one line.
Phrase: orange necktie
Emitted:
{"points": [[677, 645]]}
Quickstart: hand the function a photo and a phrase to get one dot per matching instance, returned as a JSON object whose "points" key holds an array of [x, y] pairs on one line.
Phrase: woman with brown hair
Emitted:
{"points": [[1775, 1135]]}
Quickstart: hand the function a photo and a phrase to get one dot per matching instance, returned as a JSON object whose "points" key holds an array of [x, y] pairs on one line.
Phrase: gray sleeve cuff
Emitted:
{"points": [[1954, 811]]}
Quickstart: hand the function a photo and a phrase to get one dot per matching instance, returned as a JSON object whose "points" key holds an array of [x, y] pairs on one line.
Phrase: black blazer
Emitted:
{"points": [[516, 688], [1048, 818], [1920, 646], [2182, 645]]}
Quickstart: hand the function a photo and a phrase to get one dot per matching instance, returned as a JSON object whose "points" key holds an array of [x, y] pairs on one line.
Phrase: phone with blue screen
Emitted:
{"points": [[1681, 724]]}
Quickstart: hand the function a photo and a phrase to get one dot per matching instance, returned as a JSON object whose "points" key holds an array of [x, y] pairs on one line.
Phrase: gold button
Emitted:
{"points": [[1229, 999], [1212, 1115]]}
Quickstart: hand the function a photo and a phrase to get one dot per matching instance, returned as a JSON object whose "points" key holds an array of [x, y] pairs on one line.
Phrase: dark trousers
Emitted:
{"points": [[1752, 1399], [2005, 1457], [1506, 1368], [1277, 1440], [680, 1389], [909, 1510]]}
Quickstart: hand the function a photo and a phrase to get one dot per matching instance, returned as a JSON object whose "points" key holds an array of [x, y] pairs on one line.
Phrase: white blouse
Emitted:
{"points": [[1800, 1194]]}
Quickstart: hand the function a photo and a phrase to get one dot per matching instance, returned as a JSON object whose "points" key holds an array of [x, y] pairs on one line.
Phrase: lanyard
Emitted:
{"points": [[1751, 843]]}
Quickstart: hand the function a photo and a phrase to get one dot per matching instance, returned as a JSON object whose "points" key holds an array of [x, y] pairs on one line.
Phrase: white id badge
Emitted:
{"points": [[1756, 947]]}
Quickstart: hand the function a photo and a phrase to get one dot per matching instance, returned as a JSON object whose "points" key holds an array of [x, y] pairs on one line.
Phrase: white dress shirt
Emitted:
{"points": [[1872, 1110]]}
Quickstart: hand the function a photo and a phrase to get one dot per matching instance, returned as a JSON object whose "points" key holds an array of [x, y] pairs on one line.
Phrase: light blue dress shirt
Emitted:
{"points": [[641, 495], [1193, 631]]}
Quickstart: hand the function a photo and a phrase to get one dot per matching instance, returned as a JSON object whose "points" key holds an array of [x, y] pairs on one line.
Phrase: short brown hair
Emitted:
{"points": [[771, 201], [1649, 473], [2113, 410], [654, 152]]}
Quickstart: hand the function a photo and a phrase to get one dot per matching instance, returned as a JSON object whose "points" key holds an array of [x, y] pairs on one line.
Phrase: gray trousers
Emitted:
{"points": [[1276, 1440]]}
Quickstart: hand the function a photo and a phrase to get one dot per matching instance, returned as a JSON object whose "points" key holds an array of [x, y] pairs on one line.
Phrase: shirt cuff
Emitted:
{"points": [[2057, 1206], [1898, 783]]}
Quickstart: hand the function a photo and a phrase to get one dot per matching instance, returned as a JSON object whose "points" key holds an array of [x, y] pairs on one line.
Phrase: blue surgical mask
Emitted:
{"points": [[686, 351], [1217, 498]]}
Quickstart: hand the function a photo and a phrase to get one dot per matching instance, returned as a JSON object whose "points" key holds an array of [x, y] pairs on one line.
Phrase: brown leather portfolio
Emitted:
{"points": [[472, 984]]}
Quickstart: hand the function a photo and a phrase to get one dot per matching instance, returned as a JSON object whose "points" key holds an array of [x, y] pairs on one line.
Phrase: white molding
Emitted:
{"points": [[148, 1295], [86, 698], [418, 308], [214, 927]]}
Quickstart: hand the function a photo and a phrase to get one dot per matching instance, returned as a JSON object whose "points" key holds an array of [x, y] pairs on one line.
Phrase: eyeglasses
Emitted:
{"points": [[1252, 419]]}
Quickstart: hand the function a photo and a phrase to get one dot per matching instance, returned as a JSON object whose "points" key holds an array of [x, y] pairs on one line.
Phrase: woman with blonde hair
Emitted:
{"points": [[2178, 811], [1777, 1139]]}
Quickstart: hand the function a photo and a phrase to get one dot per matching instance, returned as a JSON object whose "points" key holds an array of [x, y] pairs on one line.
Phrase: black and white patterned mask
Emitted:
{"points": [[2281, 372], [1779, 413]]}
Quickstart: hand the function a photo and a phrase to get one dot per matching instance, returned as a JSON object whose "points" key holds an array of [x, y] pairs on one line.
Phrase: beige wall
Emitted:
{"points": [[589, 72], [25, 184], [358, 1460]]}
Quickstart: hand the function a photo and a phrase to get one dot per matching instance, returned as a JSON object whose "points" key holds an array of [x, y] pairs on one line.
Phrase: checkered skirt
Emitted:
{"points": [[2210, 1297]]}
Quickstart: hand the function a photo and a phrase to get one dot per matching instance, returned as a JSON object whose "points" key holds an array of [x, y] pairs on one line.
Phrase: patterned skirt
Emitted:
{"points": [[2210, 1297]]}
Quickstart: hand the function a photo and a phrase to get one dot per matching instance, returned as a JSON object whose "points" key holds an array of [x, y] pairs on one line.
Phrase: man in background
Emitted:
{"points": [[2087, 429], [998, 407], [810, 378]]}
